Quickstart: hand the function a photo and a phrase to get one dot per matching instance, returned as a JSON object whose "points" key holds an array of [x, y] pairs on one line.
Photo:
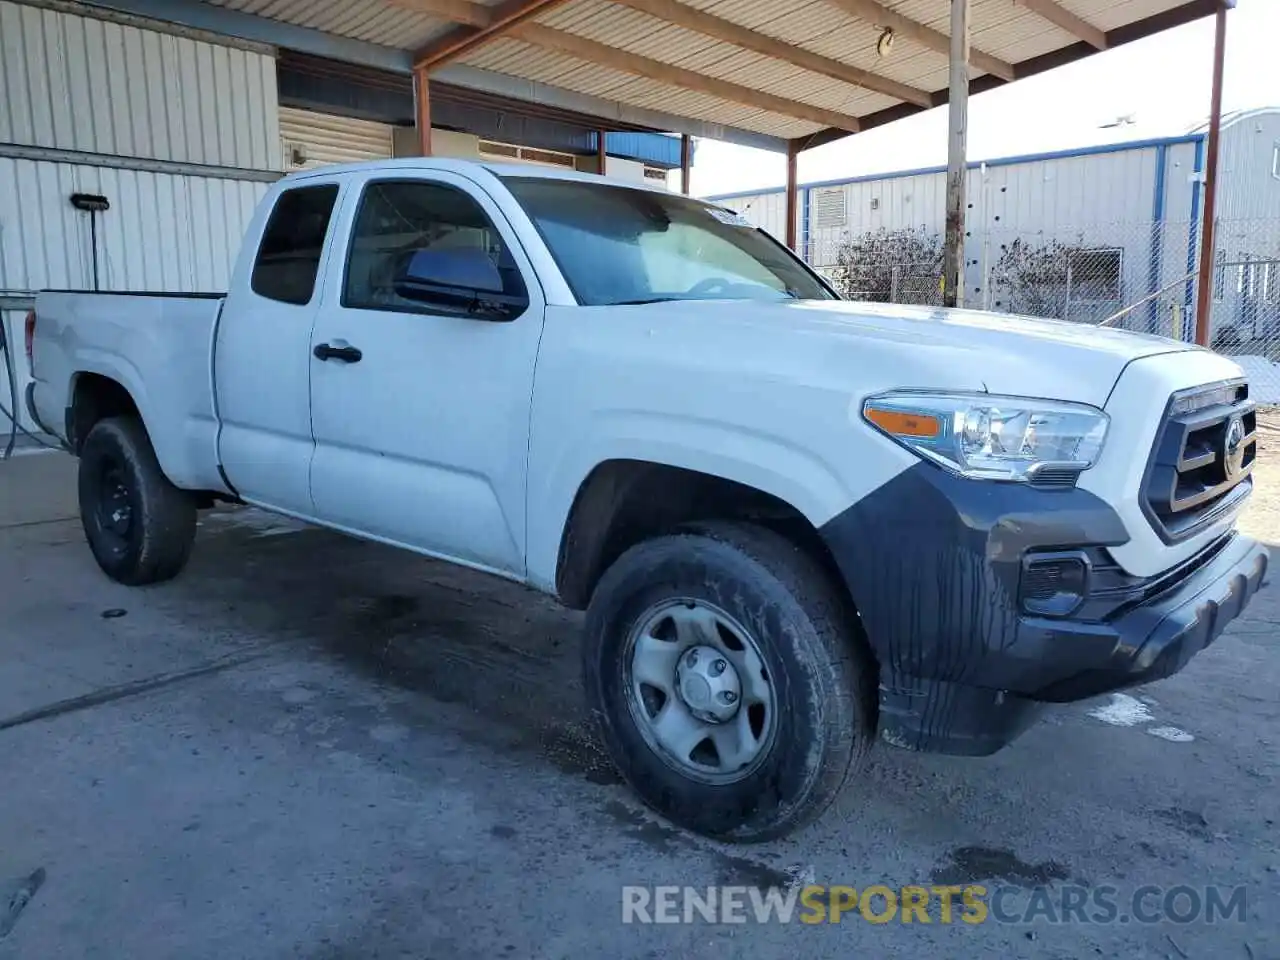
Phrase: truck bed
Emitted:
{"points": [[158, 346]]}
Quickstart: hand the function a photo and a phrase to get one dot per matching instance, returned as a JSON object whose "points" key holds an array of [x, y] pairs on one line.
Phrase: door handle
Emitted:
{"points": [[327, 351]]}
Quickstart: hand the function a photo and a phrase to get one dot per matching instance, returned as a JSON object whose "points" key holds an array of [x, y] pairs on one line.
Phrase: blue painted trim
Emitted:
{"points": [[1096, 150], [1157, 234], [658, 149], [974, 164], [804, 225], [1193, 230]]}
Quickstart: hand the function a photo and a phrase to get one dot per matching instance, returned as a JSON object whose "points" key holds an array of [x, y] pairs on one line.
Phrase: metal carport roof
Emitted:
{"points": [[762, 72]]}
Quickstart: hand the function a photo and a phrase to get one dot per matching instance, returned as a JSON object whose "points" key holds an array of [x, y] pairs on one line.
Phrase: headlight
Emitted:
{"points": [[993, 438]]}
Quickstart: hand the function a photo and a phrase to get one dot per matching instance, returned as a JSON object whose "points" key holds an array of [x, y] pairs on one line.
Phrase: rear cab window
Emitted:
{"points": [[288, 260]]}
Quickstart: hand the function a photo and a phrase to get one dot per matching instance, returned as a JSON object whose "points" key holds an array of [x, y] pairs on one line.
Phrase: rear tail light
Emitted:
{"points": [[30, 333]]}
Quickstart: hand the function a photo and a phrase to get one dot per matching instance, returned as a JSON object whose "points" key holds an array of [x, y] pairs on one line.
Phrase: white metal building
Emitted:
{"points": [[1132, 209]]}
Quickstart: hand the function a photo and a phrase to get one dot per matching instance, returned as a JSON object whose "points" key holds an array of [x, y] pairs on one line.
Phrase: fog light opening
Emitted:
{"points": [[1054, 585]]}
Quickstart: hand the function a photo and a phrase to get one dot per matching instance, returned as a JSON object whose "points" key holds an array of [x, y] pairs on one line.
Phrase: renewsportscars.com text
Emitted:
{"points": [[944, 904]]}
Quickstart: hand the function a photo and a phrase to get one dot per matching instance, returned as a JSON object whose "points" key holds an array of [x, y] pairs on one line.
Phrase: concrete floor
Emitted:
{"points": [[313, 747]]}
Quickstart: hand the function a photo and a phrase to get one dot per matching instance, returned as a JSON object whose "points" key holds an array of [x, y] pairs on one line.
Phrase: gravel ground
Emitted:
{"points": [[1262, 518], [313, 747]]}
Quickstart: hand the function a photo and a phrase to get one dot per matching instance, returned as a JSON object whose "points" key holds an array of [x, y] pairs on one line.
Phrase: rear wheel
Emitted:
{"points": [[140, 527], [729, 681]]}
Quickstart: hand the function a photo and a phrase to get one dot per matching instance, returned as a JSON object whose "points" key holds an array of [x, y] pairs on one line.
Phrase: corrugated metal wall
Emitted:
{"points": [[1098, 200], [765, 210], [1100, 188], [77, 83], [1053, 196], [163, 231], [91, 104], [127, 94], [1248, 186], [327, 138]]}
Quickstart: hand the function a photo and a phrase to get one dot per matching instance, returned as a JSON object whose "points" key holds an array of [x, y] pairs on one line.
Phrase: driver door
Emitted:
{"points": [[420, 409]]}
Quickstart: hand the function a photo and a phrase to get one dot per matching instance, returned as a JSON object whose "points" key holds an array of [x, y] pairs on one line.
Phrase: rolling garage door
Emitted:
{"points": [[309, 140]]}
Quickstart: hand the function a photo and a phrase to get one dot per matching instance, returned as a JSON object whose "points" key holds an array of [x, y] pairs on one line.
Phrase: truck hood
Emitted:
{"points": [[936, 348]]}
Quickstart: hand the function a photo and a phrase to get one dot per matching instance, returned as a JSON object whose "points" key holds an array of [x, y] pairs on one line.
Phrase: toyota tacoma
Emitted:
{"points": [[797, 524]]}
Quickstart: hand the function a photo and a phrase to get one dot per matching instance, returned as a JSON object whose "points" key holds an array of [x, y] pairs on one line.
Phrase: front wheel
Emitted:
{"points": [[729, 681], [140, 527]]}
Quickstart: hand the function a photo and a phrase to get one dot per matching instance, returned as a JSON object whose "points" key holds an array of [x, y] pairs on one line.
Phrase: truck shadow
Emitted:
{"points": [[509, 656], [505, 652]]}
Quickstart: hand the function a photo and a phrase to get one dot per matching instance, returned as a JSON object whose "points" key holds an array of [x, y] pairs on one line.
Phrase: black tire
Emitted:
{"points": [[823, 676], [151, 542]]}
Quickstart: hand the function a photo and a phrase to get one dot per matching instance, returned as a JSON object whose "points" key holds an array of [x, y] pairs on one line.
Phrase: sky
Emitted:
{"points": [[1163, 82]]}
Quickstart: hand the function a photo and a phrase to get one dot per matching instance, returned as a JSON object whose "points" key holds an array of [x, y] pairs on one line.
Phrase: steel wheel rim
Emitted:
{"points": [[665, 692], [113, 512]]}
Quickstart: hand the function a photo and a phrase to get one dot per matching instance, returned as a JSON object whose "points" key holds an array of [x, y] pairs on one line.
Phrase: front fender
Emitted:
{"points": [[766, 462], [765, 406]]}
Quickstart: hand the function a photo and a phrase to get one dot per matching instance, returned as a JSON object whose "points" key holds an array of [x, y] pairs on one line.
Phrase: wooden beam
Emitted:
{"points": [[1061, 17], [616, 59], [422, 110], [874, 13], [740, 36], [1204, 303], [502, 19], [602, 154], [455, 11]]}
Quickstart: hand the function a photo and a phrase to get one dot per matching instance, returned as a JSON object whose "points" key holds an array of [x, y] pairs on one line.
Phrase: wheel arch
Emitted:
{"points": [[94, 397], [623, 502]]}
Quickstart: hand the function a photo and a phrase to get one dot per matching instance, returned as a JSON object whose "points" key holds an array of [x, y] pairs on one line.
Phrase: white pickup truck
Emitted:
{"points": [[797, 524]]}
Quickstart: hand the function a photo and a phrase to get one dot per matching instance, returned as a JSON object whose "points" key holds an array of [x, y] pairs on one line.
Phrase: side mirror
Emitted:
{"points": [[464, 279]]}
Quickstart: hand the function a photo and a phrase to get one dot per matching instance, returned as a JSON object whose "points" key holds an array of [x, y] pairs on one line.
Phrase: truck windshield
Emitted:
{"points": [[617, 245]]}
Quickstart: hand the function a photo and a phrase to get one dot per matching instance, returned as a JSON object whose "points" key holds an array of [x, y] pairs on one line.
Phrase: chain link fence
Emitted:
{"points": [[1135, 276], [1244, 316]]}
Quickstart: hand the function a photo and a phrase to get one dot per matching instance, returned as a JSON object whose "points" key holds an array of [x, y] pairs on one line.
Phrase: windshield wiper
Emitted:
{"points": [[641, 301]]}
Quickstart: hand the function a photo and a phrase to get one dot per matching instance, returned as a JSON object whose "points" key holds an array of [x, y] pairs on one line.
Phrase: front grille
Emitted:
{"points": [[1202, 462]]}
